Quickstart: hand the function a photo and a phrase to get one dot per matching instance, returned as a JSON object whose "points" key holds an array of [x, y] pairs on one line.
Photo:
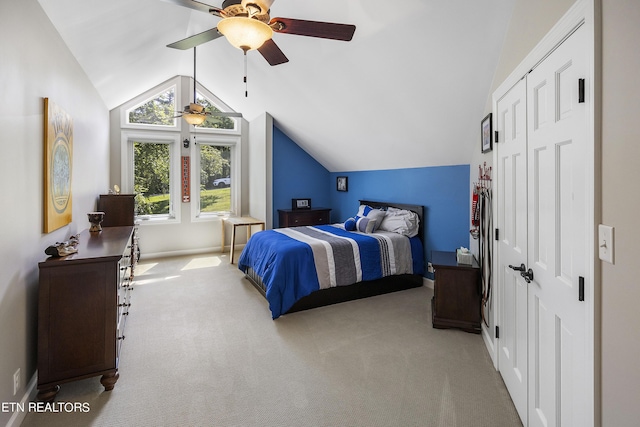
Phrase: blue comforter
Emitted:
{"points": [[294, 262]]}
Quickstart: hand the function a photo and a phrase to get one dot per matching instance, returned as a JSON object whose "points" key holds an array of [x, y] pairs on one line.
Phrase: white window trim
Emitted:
{"points": [[236, 173], [162, 137]]}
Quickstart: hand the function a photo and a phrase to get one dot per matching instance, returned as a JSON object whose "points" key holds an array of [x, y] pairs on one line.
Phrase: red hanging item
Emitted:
{"points": [[475, 212]]}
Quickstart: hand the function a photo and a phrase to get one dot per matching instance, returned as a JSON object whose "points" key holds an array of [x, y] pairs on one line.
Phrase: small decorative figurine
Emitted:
{"points": [[61, 249], [95, 218]]}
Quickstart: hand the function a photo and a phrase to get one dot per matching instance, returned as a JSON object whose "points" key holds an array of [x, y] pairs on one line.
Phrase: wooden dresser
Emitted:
{"points": [[457, 293], [119, 209], [300, 217], [83, 303]]}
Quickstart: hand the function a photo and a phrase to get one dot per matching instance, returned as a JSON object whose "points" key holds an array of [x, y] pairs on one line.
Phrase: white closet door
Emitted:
{"points": [[542, 205], [511, 124], [557, 124]]}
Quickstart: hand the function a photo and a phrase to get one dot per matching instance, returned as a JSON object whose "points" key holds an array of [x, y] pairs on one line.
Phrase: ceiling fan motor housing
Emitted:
{"points": [[257, 9]]}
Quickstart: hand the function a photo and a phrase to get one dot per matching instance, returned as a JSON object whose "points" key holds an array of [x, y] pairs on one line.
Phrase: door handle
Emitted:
{"points": [[528, 276], [521, 268]]}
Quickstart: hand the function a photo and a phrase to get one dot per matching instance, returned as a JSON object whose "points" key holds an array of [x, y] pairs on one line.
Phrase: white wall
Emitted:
{"points": [[35, 63], [260, 172], [620, 208]]}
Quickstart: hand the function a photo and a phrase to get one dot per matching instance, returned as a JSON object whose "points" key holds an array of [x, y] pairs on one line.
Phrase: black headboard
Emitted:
{"points": [[414, 208]]}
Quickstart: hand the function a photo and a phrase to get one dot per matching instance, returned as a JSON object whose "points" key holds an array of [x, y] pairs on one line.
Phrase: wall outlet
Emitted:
{"points": [[430, 267], [16, 382]]}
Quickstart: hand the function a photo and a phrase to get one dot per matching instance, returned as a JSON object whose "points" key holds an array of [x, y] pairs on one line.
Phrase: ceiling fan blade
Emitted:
{"points": [[272, 53], [196, 5], [195, 40], [225, 114], [325, 30]]}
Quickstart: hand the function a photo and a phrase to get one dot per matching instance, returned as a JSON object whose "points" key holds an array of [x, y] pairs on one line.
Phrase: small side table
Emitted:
{"points": [[457, 294], [239, 221]]}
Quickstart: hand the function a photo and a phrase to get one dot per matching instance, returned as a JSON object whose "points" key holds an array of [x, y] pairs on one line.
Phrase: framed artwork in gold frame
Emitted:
{"points": [[58, 162]]}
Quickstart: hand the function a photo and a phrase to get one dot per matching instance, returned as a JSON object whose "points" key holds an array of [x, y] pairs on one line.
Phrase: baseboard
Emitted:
{"points": [[29, 395], [429, 283], [490, 344], [201, 251]]}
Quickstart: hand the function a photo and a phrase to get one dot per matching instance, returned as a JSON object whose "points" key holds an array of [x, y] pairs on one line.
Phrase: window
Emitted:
{"points": [[151, 172], [153, 142], [212, 121], [160, 110], [215, 177], [152, 178]]}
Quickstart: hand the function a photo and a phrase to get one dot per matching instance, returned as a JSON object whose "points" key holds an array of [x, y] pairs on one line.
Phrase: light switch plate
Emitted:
{"points": [[605, 243]]}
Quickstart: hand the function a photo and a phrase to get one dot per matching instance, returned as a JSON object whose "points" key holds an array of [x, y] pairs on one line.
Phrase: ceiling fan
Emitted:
{"points": [[247, 25], [194, 113]]}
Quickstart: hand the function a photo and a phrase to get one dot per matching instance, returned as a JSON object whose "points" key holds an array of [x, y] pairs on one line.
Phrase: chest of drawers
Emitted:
{"points": [[83, 302]]}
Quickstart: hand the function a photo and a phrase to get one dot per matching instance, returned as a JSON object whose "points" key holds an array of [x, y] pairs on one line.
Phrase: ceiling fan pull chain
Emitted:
{"points": [[246, 91], [194, 75]]}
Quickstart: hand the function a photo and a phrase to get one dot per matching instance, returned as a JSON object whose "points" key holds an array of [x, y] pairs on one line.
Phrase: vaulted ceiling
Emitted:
{"points": [[408, 91]]}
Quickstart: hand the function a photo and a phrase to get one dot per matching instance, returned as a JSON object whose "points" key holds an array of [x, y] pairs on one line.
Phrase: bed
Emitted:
{"points": [[299, 268]]}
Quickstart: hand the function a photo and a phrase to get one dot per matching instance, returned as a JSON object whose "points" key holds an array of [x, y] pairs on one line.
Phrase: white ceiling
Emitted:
{"points": [[409, 90]]}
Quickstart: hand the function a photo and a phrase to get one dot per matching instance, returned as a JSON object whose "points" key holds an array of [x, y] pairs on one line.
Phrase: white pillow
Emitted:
{"points": [[400, 221]]}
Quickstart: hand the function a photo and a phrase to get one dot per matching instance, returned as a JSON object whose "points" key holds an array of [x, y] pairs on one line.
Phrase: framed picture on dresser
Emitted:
{"points": [[300, 204]]}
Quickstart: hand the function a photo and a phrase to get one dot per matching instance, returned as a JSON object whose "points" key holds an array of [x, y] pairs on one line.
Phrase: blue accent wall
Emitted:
{"points": [[296, 175], [442, 190]]}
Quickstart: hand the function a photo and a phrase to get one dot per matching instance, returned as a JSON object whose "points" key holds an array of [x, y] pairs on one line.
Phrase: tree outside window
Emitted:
{"points": [[151, 165], [159, 111], [213, 121], [215, 178]]}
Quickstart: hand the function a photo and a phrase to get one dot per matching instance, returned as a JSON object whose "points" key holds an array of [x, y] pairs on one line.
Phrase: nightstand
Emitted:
{"points": [[457, 294]]}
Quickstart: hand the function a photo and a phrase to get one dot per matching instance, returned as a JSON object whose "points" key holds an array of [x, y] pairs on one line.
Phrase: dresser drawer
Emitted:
{"points": [[302, 217]]}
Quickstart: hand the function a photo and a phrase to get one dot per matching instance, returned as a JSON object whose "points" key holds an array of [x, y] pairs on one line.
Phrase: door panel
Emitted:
{"points": [[512, 223], [557, 237]]}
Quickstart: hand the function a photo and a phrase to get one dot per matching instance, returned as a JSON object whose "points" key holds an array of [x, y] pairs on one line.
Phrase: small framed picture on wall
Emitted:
{"points": [[342, 183], [486, 132]]}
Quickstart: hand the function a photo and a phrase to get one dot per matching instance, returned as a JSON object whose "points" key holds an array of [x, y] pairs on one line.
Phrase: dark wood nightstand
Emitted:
{"points": [[457, 294], [300, 217]]}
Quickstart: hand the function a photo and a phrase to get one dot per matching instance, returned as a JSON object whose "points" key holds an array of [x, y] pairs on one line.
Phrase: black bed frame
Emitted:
{"points": [[358, 290]]}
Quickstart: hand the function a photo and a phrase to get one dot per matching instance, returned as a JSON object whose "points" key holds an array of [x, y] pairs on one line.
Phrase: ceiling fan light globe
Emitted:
{"points": [[194, 118], [245, 33]]}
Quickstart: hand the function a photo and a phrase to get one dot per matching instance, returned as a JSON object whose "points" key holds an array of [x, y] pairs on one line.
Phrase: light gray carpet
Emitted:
{"points": [[201, 349]]}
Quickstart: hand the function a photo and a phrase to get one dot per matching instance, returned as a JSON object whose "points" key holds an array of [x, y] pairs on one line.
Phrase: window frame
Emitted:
{"points": [[154, 137], [232, 141], [175, 135]]}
